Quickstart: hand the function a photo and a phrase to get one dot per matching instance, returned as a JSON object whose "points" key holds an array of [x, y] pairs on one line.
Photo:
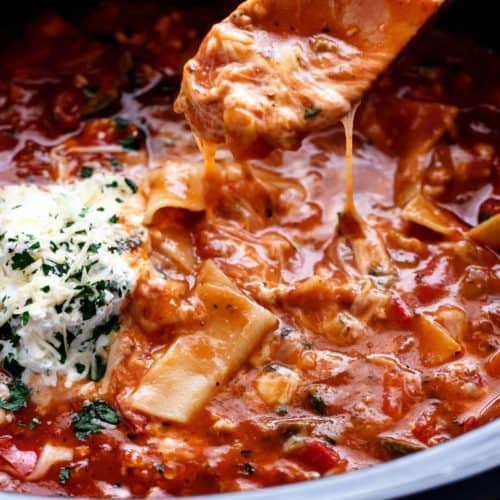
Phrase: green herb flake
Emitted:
{"points": [[318, 403], [94, 247], [120, 122], [25, 317], [64, 474], [160, 468], [51, 267], [132, 142], [114, 219], [22, 260], [311, 113], [131, 184], [18, 396], [92, 418], [86, 171], [80, 368]]}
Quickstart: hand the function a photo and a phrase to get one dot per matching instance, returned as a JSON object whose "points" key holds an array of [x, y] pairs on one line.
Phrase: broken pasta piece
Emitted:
{"points": [[181, 381]]}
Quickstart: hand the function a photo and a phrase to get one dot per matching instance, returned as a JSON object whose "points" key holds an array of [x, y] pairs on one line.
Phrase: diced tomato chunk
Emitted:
{"points": [[318, 456], [23, 462], [393, 403], [399, 310], [432, 280]]}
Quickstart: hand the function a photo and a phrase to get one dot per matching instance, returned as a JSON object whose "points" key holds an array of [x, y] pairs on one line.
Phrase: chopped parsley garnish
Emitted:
{"points": [[160, 468], [94, 247], [114, 219], [64, 474], [22, 260], [18, 396], [10, 364], [92, 418], [79, 367], [57, 268], [311, 113], [318, 403], [25, 317], [112, 325], [131, 184], [86, 171], [131, 142], [120, 122], [88, 308]]}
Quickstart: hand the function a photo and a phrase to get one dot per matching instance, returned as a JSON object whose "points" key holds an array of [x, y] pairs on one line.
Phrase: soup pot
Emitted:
{"points": [[472, 460]]}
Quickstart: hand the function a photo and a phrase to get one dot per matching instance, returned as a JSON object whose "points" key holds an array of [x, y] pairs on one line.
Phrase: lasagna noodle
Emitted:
{"points": [[268, 75], [50, 456], [488, 232], [176, 185], [425, 213], [436, 343], [181, 381]]}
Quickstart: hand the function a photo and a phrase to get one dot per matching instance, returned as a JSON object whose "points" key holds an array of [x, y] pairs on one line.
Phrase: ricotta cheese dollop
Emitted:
{"points": [[64, 273]]}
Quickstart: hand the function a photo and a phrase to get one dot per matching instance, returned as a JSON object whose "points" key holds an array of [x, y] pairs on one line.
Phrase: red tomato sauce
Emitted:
{"points": [[370, 383]]}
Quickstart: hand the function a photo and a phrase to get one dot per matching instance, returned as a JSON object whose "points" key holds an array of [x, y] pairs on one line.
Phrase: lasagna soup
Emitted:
{"points": [[176, 326]]}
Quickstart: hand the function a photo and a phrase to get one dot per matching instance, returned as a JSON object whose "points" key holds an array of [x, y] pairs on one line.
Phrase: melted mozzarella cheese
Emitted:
{"points": [[64, 273]]}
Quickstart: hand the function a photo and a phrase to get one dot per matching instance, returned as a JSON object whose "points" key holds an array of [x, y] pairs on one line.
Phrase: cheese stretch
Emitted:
{"points": [[64, 274]]}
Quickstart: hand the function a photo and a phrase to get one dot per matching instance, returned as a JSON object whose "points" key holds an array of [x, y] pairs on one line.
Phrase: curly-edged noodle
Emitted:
{"points": [[49, 456], [437, 345], [276, 70], [425, 213], [428, 123], [488, 232], [178, 185], [181, 381]]}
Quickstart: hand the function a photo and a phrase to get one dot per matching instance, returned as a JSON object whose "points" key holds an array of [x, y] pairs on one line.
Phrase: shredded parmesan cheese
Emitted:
{"points": [[64, 274]]}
